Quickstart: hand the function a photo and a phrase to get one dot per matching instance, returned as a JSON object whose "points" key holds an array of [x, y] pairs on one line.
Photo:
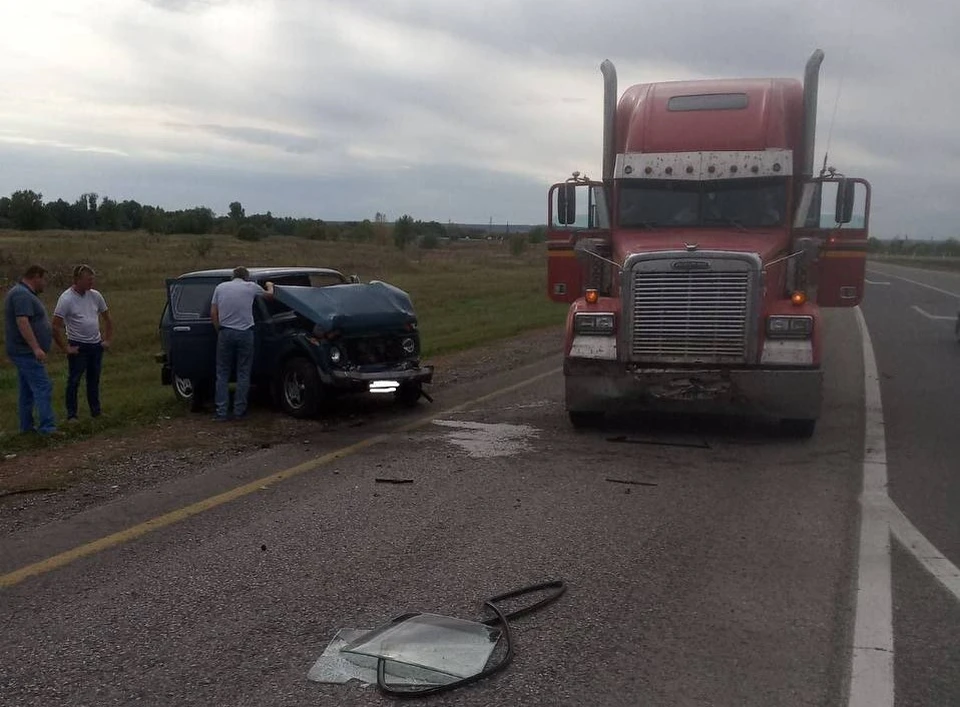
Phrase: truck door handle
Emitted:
{"points": [[181, 328]]}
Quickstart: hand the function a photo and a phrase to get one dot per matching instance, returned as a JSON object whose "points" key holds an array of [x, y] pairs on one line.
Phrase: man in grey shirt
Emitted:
{"points": [[29, 336], [232, 313], [79, 311]]}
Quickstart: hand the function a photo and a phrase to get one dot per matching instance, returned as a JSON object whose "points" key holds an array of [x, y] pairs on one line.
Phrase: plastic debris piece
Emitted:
{"points": [[454, 647], [384, 480], [338, 667], [632, 483]]}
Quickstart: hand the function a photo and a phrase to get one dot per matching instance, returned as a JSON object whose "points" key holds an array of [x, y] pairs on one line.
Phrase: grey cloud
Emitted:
{"points": [[288, 142]]}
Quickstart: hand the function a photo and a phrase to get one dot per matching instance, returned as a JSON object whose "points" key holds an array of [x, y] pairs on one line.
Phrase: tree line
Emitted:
{"points": [[912, 248], [26, 210]]}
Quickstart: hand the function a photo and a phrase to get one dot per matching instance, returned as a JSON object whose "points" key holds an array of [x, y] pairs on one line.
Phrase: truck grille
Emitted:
{"points": [[690, 317]]}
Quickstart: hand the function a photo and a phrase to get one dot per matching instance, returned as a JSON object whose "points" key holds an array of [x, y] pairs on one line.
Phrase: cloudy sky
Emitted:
{"points": [[441, 109]]}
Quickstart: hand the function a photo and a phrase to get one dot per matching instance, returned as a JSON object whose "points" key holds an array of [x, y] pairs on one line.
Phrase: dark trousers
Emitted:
{"points": [[88, 362]]}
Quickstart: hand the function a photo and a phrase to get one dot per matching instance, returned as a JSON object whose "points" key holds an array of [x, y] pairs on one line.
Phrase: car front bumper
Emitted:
{"points": [[357, 378], [602, 386]]}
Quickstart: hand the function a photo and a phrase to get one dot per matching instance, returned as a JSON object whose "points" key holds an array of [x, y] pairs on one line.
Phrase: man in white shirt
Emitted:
{"points": [[232, 313], [80, 310]]}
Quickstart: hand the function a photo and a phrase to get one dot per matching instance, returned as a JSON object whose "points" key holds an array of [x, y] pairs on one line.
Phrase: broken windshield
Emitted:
{"points": [[743, 203]]}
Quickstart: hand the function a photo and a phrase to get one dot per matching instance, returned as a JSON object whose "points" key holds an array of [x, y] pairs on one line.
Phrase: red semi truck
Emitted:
{"points": [[697, 269]]}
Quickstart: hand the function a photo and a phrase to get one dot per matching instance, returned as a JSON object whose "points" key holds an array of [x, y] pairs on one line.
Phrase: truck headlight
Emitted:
{"points": [[335, 355], [789, 327], [594, 324]]}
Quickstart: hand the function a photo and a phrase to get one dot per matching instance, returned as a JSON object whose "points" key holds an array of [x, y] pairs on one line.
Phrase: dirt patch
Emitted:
{"points": [[44, 485]]}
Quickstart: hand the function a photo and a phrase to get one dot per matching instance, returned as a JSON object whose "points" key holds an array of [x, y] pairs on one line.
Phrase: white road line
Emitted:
{"points": [[935, 317], [915, 282], [913, 540], [871, 679], [875, 282]]}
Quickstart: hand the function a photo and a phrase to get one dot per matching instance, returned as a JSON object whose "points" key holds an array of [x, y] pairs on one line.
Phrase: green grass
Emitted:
{"points": [[465, 294]]}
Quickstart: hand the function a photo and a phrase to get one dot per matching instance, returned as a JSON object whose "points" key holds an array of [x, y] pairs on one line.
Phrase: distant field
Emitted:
{"points": [[928, 263], [465, 294]]}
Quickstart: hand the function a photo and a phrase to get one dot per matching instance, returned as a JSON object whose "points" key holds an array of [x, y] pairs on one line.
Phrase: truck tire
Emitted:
{"points": [[299, 388], [408, 394], [584, 419], [799, 429]]}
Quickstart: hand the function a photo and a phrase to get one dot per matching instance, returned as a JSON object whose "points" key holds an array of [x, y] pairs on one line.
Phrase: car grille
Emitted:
{"points": [[371, 350], [690, 317]]}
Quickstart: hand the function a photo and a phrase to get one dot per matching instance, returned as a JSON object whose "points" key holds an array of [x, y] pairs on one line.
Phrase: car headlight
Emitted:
{"points": [[786, 327], [336, 355], [409, 345], [594, 324]]}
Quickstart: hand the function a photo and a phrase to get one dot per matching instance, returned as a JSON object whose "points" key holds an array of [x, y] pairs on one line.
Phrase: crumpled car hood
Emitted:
{"points": [[350, 307]]}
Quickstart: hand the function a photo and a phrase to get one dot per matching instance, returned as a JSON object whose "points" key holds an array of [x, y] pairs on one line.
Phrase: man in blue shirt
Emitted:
{"points": [[232, 313], [29, 337]]}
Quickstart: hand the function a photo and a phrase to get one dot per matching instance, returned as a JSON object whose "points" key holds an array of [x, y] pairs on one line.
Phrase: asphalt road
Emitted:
{"points": [[727, 580], [911, 315]]}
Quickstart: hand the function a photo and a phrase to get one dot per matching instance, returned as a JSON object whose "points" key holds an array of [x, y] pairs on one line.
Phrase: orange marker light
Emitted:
{"points": [[798, 298], [592, 296]]}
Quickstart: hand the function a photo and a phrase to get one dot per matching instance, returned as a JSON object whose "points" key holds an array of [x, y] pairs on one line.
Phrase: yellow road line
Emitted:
{"points": [[132, 533]]}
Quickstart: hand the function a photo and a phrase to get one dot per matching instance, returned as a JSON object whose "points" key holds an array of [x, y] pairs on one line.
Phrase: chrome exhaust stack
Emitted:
{"points": [[609, 117], [811, 81]]}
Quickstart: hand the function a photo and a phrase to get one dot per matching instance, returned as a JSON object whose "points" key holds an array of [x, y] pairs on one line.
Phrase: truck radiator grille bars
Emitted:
{"points": [[690, 317]]}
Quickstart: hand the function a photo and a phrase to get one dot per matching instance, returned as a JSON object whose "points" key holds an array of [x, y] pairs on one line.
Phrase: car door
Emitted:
{"points": [[193, 339]]}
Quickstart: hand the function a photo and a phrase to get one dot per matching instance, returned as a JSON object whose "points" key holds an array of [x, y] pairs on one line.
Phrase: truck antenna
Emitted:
{"points": [[843, 72]]}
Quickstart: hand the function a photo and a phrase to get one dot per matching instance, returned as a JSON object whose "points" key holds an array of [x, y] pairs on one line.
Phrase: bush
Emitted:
{"points": [[203, 246], [249, 232], [518, 244], [429, 241]]}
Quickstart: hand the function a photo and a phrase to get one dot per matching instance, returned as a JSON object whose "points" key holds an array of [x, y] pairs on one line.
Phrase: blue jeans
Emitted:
{"points": [[87, 361], [234, 347], [36, 390]]}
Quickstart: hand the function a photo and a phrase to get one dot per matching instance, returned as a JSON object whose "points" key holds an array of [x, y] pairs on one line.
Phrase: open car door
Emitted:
{"points": [[835, 211], [576, 210]]}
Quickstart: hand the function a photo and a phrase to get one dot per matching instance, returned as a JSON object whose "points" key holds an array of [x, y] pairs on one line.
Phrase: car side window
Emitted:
{"points": [[191, 300]]}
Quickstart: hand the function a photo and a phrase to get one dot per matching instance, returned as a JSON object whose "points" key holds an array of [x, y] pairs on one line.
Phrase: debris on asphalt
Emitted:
{"points": [[623, 439], [419, 654], [632, 482], [384, 480]]}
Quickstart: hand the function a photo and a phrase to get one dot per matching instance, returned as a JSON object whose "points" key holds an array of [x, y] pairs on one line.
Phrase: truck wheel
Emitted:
{"points": [[801, 429], [408, 394], [299, 388], [582, 419]]}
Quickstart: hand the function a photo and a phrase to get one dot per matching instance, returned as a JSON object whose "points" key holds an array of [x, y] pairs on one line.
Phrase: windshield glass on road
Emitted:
{"points": [[749, 203]]}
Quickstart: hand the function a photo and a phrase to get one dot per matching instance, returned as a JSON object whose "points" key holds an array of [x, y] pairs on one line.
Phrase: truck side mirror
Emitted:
{"points": [[567, 204], [845, 196]]}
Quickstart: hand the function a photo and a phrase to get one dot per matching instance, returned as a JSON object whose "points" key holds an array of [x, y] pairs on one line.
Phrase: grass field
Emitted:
{"points": [[928, 262], [465, 294]]}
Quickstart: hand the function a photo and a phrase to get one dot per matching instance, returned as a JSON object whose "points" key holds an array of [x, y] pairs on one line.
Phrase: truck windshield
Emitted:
{"points": [[747, 203]]}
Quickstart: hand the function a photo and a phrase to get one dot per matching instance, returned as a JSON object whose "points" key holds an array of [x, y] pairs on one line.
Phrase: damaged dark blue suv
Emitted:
{"points": [[322, 335]]}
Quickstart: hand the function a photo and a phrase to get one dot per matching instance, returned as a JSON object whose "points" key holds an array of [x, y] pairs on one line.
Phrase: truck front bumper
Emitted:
{"points": [[611, 386]]}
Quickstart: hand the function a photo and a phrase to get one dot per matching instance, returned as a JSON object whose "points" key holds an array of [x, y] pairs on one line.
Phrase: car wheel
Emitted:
{"points": [[408, 394], [299, 388], [582, 419], [188, 391], [800, 429]]}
